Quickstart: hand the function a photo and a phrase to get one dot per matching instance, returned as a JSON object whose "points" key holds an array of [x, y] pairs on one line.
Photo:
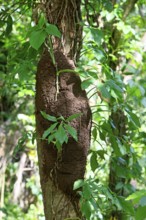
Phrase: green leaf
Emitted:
{"points": [[93, 161], [37, 38], [99, 55], [32, 29], [9, 25], [41, 21], [101, 153], [61, 118], [86, 208], [58, 145], [114, 86], [52, 30], [104, 92], [126, 205], [72, 117], [134, 119], [136, 196], [72, 131], [115, 146], [49, 130], [143, 102], [61, 135], [87, 191], [106, 127], [4, 210], [119, 185], [108, 5], [130, 70], [94, 133], [97, 35], [87, 82], [94, 204], [140, 213], [102, 135], [49, 117], [143, 201], [51, 138], [78, 183]]}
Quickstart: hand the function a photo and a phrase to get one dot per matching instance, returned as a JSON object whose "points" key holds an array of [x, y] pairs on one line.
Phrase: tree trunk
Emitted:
{"points": [[59, 171]]}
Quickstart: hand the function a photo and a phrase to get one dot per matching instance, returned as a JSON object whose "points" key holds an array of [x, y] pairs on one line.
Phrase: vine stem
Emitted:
{"points": [[57, 86], [50, 50]]}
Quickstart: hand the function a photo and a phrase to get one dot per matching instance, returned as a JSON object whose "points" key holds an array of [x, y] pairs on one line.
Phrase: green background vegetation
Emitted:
{"points": [[112, 67]]}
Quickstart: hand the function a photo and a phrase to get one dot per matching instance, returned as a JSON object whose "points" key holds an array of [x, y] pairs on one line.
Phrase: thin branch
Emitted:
{"points": [[128, 6]]}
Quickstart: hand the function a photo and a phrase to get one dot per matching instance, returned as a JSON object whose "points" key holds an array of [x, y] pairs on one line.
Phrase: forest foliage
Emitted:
{"points": [[112, 67]]}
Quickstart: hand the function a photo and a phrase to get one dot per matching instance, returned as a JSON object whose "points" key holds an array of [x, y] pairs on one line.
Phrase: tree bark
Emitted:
{"points": [[59, 171], [66, 15]]}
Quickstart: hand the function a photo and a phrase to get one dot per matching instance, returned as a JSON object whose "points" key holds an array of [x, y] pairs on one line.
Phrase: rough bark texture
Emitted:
{"points": [[67, 16], [58, 171], [61, 169]]}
